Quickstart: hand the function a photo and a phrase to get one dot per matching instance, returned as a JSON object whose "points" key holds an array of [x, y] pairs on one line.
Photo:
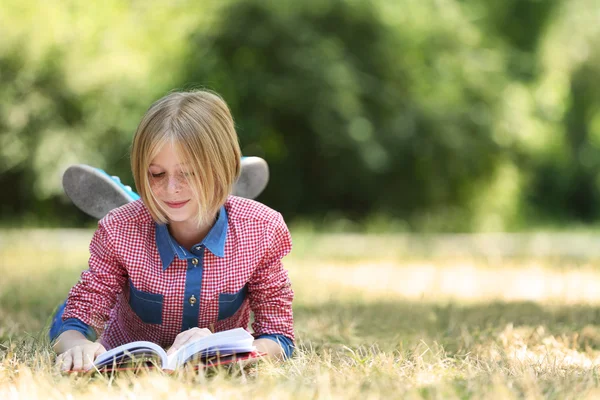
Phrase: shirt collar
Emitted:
{"points": [[214, 241]]}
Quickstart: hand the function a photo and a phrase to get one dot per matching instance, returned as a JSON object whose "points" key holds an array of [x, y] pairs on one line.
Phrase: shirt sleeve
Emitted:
{"points": [[269, 288], [285, 342], [73, 324], [91, 300]]}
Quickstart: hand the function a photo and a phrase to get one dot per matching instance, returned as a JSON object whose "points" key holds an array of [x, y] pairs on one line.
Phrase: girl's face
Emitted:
{"points": [[169, 184]]}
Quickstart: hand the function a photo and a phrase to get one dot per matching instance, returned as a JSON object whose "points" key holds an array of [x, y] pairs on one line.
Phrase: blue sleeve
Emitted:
{"points": [[75, 324], [285, 342]]}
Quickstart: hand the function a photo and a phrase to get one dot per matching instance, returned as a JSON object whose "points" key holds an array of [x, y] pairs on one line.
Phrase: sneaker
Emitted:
{"points": [[253, 179], [95, 192]]}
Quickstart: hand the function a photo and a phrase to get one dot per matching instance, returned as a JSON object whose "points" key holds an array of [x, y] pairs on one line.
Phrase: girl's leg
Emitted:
{"points": [[96, 193], [253, 179]]}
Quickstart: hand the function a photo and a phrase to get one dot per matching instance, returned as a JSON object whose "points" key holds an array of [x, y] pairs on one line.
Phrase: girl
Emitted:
{"points": [[186, 259]]}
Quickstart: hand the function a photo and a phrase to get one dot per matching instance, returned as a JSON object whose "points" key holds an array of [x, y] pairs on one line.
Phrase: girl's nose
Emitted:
{"points": [[173, 183]]}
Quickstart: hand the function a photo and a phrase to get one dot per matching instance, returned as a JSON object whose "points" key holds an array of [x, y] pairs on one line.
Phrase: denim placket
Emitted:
{"points": [[193, 284]]}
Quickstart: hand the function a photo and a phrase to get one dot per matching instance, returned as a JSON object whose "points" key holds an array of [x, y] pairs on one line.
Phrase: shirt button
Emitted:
{"points": [[198, 248], [195, 261], [192, 300]]}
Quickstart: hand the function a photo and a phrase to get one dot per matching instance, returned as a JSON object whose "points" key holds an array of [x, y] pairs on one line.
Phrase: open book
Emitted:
{"points": [[234, 344]]}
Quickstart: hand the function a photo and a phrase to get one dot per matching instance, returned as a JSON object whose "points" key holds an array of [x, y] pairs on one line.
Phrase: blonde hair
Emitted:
{"points": [[200, 126]]}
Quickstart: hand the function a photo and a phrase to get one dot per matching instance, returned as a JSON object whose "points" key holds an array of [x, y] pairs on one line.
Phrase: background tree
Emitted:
{"points": [[439, 115], [353, 115]]}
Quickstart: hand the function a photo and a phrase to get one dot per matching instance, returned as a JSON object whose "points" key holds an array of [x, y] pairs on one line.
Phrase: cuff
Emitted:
{"points": [[285, 342], [75, 324]]}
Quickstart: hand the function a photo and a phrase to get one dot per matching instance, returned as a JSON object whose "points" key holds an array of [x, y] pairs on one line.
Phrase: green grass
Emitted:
{"points": [[372, 319]]}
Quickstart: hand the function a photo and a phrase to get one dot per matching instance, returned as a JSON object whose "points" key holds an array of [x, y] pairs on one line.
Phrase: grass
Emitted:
{"points": [[373, 320]]}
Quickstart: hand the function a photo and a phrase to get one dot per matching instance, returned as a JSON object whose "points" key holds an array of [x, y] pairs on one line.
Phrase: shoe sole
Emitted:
{"points": [[253, 179], [93, 191]]}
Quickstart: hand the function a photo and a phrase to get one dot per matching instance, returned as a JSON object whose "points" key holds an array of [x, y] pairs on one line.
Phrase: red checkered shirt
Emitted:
{"points": [[141, 285]]}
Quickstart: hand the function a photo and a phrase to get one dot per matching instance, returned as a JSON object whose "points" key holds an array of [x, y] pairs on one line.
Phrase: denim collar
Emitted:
{"points": [[214, 241]]}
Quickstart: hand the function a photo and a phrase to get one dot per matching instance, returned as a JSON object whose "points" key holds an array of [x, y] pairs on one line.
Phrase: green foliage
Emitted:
{"points": [[519, 26], [36, 111], [45, 126], [430, 115], [570, 184], [354, 116], [564, 183]]}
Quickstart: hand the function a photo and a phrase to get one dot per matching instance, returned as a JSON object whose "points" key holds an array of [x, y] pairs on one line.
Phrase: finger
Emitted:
{"points": [[197, 333], [194, 334], [188, 339], [77, 359], [88, 360], [205, 332], [179, 340], [185, 337], [99, 350], [67, 360], [59, 361]]}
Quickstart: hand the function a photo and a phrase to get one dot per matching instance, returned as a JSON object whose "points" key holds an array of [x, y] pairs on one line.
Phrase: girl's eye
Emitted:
{"points": [[158, 175], [188, 173]]}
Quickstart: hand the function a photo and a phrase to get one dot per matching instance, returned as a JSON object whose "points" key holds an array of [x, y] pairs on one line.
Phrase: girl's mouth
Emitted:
{"points": [[178, 204]]}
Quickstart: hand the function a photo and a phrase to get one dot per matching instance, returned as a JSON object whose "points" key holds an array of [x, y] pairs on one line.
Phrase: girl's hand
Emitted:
{"points": [[80, 357], [189, 336]]}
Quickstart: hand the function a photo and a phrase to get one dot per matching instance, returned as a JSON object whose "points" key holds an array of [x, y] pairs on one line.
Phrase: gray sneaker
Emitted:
{"points": [[253, 179], [96, 193]]}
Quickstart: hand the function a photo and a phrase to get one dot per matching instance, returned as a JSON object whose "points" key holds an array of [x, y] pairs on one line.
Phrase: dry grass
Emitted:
{"points": [[370, 323]]}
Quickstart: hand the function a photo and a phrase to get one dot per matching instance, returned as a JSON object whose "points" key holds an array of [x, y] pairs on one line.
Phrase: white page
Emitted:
{"points": [[232, 341], [135, 348]]}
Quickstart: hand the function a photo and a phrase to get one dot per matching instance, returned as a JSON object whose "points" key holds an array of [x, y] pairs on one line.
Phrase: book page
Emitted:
{"points": [[227, 342], [124, 353]]}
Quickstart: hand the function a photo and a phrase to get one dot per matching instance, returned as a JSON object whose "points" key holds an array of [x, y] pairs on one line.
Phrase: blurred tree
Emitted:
{"points": [[457, 110], [36, 109], [355, 115], [520, 25], [74, 89], [564, 182], [567, 186], [45, 126]]}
